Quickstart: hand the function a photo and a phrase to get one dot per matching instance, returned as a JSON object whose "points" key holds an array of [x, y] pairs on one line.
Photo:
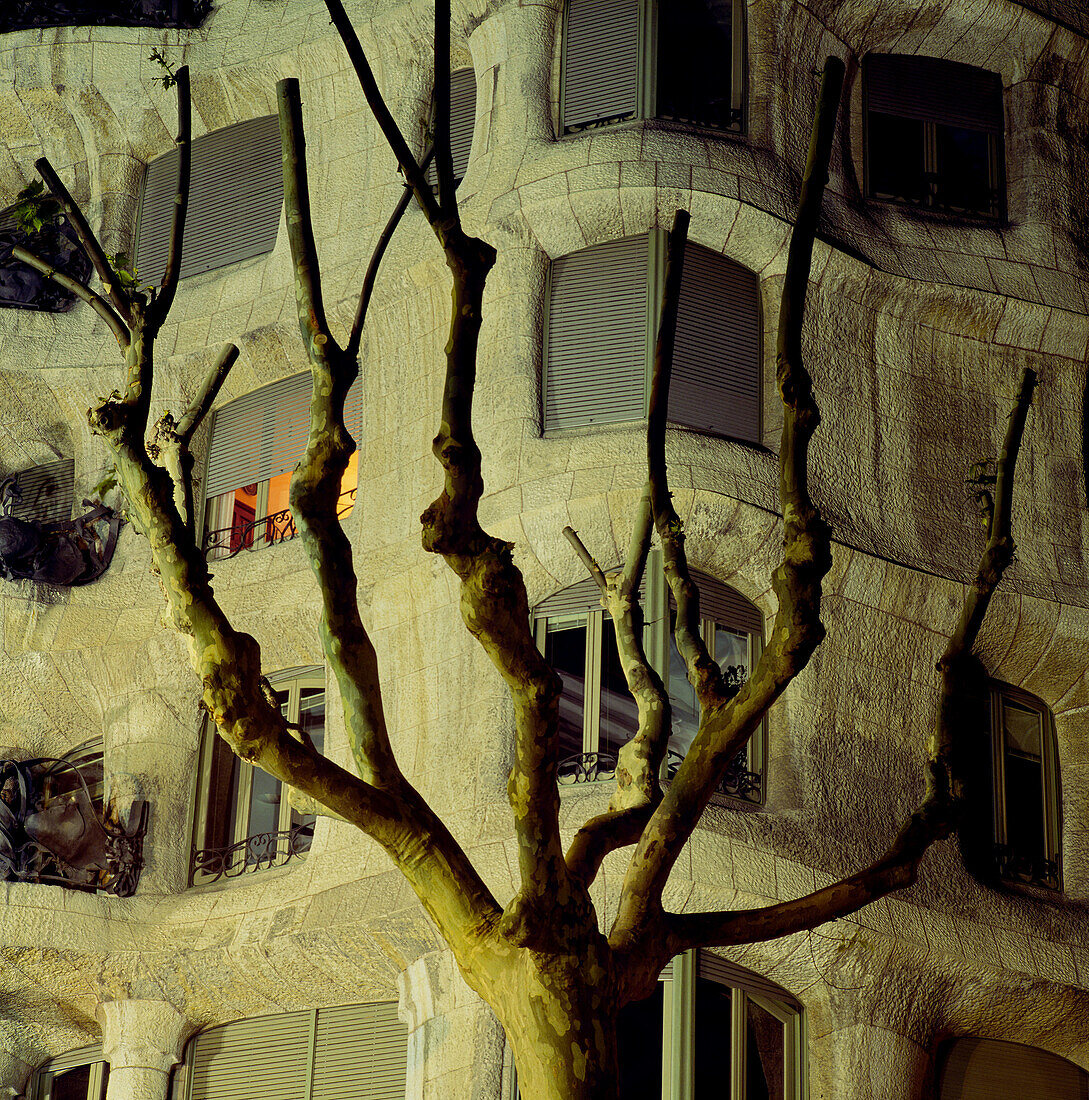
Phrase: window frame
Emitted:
{"points": [[40, 1086], [1049, 875], [646, 77], [656, 640], [996, 158], [294, 681]]}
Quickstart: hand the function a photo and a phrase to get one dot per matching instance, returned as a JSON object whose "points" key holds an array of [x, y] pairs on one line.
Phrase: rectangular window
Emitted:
{"points": [[243, 820], [934, 134], [639, 59]]}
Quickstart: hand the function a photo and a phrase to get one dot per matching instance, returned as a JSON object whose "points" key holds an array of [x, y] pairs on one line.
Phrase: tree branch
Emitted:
{"points": [[586, 558], [412, 171], [110, 283], [74, 286], [165, 300], [202, 403], [352, 347], [797, 581], [444, 160]]}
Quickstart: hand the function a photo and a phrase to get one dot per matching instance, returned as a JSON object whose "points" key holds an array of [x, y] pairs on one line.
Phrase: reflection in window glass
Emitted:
{"points": [[72, 1085], [765, 1054], [619, 716], [1025, 832], [565, 650]]}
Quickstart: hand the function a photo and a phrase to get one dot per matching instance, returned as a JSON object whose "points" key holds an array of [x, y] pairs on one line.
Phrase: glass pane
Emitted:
{"points": [[242, 516], [896, 158], [764, 1069], [694, 62], [279, 526], [732, 652], [565, 650], [72, 1084], [713, 1033], [312, 720], [1022, 729], [964, 170], [223, 777], [348, 485], [639, 1048], [1025, 806], [619, 717], [682, 697], [265, 795]]}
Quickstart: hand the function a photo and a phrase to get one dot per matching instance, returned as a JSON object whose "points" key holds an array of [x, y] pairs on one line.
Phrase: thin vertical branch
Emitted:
{"points": [[181, 199], [444, 160]]}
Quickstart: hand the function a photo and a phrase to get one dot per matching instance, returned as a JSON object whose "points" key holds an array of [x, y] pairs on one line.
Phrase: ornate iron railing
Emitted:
{"points": [[255, 853], [587, 767], [17, 15], [736, 782], [266, 531], [1015, 866]]}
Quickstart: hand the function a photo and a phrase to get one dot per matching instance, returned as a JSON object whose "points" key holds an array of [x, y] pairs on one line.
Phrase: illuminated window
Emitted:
{"points": [[257, 441]]}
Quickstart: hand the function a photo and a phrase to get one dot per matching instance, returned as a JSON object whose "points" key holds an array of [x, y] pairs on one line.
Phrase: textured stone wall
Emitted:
{"points": [[919, 328]]}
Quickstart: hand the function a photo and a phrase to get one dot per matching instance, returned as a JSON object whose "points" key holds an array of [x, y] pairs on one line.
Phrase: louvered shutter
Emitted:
{"points": [[578, 598], [716, 358], [360, 1053], [601, 57], [264, 1056], [264, 433], [462, 121], [47, 491], [235, 195], [723, 605], [934, 90], [596, 355], [990, 1069]]}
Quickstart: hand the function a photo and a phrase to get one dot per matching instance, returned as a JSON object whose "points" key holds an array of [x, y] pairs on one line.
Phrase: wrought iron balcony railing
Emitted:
{"points": [[254, 853], [266, 531]]}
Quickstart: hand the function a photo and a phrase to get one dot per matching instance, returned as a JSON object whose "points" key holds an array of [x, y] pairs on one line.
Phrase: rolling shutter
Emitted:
{"points": [[724, 605], [462, 122], [264, 433], [596, 345], [934, 90], [716, 357], [989, 1069], [360, 1053], [579, 598], [235, 196], [721, 970], [264, 1056], [48, 492], [601, 55]]}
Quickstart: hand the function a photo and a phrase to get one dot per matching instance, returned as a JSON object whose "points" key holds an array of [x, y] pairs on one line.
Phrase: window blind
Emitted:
{"points": [[601, 52], [462, 123], [991, 1069], [597, 344], [47, 492], [934, 90], [235, 194], [264, 433]]}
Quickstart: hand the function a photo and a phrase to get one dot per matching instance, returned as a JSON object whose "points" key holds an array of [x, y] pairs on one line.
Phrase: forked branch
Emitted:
{"points": [[181, 199]]}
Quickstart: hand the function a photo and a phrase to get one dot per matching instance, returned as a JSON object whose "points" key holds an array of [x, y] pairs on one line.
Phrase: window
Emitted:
{"points": [[77, 1075], [633, 59], [45, 493], [243, 820], [344, 1052], [990, 1069], [598, 713], [712, 1029], [235, 194], [21, 286], [462, 123], [1026, 789], [257, 441], [21, 14], [603, 307], [933, 134]]}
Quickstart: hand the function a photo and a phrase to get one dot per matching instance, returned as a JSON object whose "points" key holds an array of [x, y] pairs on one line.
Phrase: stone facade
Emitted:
{"points": [[918, 328]]}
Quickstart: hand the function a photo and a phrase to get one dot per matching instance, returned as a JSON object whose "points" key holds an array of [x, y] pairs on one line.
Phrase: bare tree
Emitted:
{"points": [[541, 960]]}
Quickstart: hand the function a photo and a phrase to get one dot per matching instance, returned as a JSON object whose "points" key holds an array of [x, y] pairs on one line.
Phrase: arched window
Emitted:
{"points": [[933, 134], [735, 1034], [630, 59], [1025, 773], [343, 1052], [257, 440], [598, 713], [78, 1075], [603, 306], [243, 819], [235, 195], [991, 1069]]}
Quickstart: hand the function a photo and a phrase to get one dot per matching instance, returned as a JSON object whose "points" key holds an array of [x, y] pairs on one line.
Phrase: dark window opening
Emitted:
{"points": [[24, 14], [695, 48]]}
